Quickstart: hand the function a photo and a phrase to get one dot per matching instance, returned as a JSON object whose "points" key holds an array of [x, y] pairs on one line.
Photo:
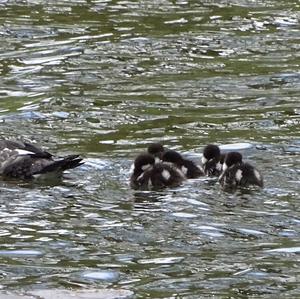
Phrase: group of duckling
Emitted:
{"points": [[159, 168], [155, 169]]}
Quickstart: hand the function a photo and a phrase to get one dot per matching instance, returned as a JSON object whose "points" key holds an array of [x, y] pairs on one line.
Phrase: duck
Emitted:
{"points": [[212, 160], [156, 149], [149, 175], [237, 173], [188, 167], [26, 161]]}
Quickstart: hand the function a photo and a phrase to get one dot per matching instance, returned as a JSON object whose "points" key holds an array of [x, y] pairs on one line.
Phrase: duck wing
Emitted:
{"points": [[18, 166], [250, 176], [29, 166], [24, 160], [42, 166], [192, 170], [23, 148], [242, 174]]}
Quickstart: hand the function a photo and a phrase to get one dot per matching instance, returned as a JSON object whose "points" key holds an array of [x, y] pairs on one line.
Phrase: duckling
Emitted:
{"points": [[148, 175], [212, 160], [23, 160], [237, 173], [187, 167]]}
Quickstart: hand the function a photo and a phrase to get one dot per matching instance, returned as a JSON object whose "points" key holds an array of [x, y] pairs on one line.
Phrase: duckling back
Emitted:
{"points": [[241, 175], [148, 175]]}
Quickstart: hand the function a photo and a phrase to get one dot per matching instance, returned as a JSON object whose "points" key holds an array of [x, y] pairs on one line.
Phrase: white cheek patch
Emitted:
{"points": [[146, 167], [166, 174], [224, 166], [204, 160], [219, 166], [157, 160], [184, 170], [239, 175], [257, 175]]}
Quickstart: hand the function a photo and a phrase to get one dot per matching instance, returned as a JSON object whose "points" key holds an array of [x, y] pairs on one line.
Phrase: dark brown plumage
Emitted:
{"points": [[212, 160], [187, 167], [23, 160], [148, 175], [237, 173]]}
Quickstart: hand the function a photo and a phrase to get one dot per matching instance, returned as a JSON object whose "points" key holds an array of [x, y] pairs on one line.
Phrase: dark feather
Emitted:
{"points": [[228, 179], [154, 178], [61, 165], [32, 162]]}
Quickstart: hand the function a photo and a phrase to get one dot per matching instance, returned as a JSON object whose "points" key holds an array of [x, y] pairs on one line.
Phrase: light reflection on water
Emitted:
{"points": [[104, 79]]}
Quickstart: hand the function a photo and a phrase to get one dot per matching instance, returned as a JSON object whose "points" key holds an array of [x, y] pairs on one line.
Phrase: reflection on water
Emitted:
{"points": [[106, 78]]}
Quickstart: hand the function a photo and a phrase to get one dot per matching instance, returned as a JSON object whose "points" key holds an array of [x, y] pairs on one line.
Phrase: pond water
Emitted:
{"points": [[104, 79]]}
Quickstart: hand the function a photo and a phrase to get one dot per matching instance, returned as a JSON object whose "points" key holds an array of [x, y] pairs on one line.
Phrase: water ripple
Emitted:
{"points": [[104, 79]]}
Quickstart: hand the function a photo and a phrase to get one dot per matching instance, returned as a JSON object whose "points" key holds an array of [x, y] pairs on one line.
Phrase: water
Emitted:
{"points": [[106, 78]]}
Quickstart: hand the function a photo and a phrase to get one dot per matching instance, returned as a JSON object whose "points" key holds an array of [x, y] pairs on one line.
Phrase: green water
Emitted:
{"points": [[106, 78]]}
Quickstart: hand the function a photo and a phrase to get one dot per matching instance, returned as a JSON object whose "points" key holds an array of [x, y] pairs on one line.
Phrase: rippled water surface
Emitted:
{"points": [[106, 78]]}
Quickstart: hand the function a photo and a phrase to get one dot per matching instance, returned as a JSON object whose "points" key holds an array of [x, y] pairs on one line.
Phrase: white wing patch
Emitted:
{"points": [[239, 175], [166, 174], [23, 152], [204, 160], [7, 152], [184, 170], [257, 175]]}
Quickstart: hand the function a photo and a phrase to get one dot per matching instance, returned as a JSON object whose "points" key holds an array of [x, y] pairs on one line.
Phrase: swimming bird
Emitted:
{"points": [[212, 160], [24, 160], [157, 150], [187, 167], [237, 173], [148, 175]]}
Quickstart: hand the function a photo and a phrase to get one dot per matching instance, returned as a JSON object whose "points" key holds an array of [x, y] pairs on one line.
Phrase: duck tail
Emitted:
{"points": [[63, 164]]}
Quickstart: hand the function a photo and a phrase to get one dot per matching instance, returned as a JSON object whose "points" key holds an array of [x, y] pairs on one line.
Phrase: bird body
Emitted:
{"points": [[212, 160], [23, 160], [241, 175], [237, 173], [187, 167], [148, 174]]}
